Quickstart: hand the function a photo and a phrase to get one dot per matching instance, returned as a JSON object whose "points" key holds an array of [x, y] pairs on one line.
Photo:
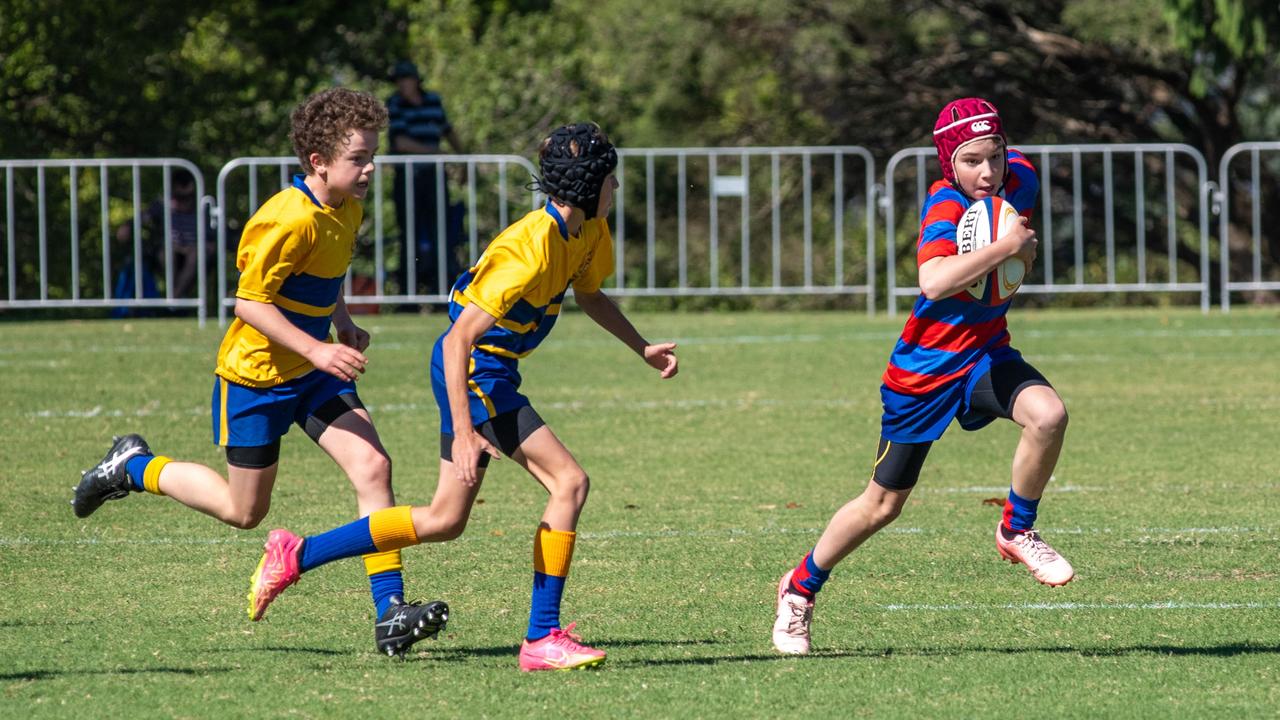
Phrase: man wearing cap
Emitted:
{"points": [[417, 125]]}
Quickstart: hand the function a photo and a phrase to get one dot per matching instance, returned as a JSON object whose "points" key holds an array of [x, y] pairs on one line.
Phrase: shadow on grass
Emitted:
{"points": [[1227, 650], [460, 653], [45, 623], [282, 649], [51, 674]]}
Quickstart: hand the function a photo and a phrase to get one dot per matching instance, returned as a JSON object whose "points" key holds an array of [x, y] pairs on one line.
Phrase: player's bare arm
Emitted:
{"points": [[467, 443], [945, 276], [339, 360], [601, 308]]}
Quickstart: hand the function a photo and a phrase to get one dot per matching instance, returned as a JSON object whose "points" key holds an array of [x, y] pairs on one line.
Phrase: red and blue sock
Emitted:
{"points": [[1019, 513], [807, 579]]}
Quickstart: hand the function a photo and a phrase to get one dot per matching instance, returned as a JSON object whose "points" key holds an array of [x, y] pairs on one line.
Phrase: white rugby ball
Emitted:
{"points": [[983, 223]]}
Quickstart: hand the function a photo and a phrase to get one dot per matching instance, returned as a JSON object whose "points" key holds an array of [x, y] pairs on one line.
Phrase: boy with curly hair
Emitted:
{"points": [[278, 364], [501, 309]]}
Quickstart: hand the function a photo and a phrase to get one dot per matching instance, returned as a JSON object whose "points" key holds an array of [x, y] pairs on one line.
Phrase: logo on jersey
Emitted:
{"points": [[981, 126], [582, 269]]}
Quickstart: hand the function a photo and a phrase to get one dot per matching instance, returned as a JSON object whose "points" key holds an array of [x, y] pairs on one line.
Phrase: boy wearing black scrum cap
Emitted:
{"points": [[501, 309]]}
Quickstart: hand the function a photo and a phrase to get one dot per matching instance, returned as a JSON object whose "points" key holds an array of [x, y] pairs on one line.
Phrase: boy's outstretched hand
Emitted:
{"points": [[662, 357]]}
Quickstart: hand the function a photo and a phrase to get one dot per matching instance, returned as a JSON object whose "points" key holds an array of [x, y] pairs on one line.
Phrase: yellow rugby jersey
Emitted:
{"points": [[523, 275], [294, 253]]}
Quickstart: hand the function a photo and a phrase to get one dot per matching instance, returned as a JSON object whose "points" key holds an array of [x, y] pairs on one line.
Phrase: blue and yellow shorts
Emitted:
{"points": [[493, 387], [251, 417]]}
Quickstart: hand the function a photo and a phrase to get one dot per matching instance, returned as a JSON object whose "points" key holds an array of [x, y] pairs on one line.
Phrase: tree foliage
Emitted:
{"points": [[212, 80]]}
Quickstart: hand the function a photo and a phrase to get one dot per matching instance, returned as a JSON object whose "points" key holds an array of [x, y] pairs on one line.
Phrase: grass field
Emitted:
{"points": [[704, 490]]}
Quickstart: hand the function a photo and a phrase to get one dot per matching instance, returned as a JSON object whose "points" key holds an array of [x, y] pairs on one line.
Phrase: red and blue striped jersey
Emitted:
{"points": [[944, 338]]}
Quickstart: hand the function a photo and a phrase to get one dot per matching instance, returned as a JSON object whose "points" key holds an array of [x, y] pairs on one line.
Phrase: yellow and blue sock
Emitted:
{"points": [[552, 551], [808, 578], [385, 579], [144, 472], [381, 531], [1019, 513]]}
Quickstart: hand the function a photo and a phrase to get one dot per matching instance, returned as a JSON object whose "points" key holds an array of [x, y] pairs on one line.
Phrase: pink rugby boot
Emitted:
{"points": [[277, 570], [1031, 550], [561, 650]]}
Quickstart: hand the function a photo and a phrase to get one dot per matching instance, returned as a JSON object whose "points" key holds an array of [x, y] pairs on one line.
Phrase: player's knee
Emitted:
{"points": [[573, 486], [372, 470], [886, 510], [438, 524], [246, 519], [451, 528], [1050, 421]]}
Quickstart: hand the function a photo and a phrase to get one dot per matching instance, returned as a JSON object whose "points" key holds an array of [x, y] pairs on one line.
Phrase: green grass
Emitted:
{"points": [[704, 490]]}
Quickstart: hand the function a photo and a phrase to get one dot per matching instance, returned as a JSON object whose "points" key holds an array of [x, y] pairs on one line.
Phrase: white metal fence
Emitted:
{"points": [[745, 221], [492, 188], [95, 233], [1160, 188], [1263, 166], [53, 208]]}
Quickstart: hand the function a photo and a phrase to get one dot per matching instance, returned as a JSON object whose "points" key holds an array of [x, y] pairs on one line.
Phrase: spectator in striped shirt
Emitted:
{"points": [[418, 123]]}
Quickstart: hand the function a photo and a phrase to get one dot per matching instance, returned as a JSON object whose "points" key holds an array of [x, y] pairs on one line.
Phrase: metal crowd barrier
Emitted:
{"points": [[85, 274], [686, 222], [245, 183], [1259, 279], [803, 201], [1176, 187]]}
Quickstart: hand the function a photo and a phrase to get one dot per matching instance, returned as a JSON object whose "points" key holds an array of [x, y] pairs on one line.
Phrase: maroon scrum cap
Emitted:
{"points": [[960, 123]]}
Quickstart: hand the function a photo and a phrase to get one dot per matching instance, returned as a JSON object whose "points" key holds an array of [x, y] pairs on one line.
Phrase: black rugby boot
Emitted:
{"points": [[404, 624], [108, 479]]}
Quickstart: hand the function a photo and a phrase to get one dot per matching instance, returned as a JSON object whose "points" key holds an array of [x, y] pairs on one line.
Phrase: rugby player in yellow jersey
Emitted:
{"points": [[501, 309], [278, 364]]}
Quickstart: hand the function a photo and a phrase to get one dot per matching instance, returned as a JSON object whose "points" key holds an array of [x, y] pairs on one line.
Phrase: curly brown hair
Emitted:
{"points": [[320, 124]]}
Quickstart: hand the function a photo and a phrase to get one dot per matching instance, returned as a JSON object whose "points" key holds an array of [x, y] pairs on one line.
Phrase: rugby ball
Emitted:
{"points": [[982, 224]]}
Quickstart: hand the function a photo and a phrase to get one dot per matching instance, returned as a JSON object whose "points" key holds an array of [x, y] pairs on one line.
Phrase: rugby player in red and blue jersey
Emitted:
{"points": [[952, 361]]}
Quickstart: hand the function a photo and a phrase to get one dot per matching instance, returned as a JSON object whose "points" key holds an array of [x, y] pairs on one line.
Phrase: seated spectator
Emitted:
{"points": [[182, 207]]}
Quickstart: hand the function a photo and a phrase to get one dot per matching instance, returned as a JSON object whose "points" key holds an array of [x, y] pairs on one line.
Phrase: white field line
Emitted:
{"points": [[1166, 605], [248, 538], [1128, 533], [876, 336], [40, 364], [891, 335], [1002, 489], [412, 407]]}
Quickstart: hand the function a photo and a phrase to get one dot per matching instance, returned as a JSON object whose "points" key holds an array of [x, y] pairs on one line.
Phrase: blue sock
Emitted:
{"points": [[1019, 512], [135, 467], [808, 577], [384, 586], [341, 542], [544, 606]]}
